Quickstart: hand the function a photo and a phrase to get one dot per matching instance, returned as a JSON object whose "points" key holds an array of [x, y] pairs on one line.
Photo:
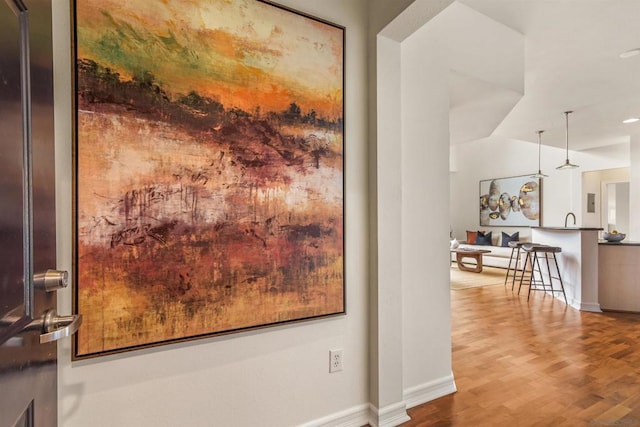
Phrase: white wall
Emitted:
{"points": [[498, 158], [634, 189], [425, 159], [272, 377], [622, 206], [412, 154], [562, 191], [385, 367], [386, 321]]}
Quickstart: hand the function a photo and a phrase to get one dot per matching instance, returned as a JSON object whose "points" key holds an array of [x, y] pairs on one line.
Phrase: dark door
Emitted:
{"points": [[29, 324]]}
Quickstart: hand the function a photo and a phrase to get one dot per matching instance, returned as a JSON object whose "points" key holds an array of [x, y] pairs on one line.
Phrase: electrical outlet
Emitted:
{"points": [[335, 360]]}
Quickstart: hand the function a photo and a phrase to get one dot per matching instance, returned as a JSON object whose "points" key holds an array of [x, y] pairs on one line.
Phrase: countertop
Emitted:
{"points": [[623, 243], [569, 228]]}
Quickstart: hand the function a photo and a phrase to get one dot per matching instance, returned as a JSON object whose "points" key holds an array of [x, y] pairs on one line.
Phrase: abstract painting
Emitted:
{"points": [[209, 170], [513, 201]]}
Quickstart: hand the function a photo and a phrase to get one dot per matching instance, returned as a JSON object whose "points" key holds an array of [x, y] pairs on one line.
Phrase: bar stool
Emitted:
{"points": [[514, 262], [534, 254]]}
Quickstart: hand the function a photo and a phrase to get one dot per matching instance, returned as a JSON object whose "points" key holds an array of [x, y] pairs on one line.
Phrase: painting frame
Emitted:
{"points": [[514, 201], [294, 257]]}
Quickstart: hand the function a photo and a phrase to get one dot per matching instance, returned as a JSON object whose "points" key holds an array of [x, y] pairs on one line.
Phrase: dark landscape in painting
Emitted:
{"points": [[196, 216]]}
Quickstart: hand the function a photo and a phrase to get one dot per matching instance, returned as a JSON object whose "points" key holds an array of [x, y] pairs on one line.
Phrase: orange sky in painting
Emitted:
{"points": [[268, 58]]}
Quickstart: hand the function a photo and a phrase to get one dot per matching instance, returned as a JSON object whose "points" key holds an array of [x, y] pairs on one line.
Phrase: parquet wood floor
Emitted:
{"points": [[537, 364]]}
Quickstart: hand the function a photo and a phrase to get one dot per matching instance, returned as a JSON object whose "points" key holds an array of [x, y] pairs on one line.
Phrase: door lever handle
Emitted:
{"points": [[52, 326], [55, 327]]}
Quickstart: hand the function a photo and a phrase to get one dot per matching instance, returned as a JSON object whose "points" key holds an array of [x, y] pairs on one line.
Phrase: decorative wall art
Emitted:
{"points": [[513, 201], [209, 170]]}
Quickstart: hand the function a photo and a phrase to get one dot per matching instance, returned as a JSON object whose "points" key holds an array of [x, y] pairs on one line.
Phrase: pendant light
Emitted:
{"points": [[567, 164], [539, 174]]}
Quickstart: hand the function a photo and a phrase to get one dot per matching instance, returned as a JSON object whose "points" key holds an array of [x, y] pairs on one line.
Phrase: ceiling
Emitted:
{"points": [[572, 62]]}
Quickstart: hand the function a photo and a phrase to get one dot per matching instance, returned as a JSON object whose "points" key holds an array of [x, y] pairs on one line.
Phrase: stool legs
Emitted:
{"points": [[533, 282], [513, 271], [527, 261], [540, 285], [555, 261]]}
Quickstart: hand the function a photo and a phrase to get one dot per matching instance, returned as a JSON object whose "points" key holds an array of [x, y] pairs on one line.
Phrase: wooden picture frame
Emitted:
{"points": [[209, 170]]}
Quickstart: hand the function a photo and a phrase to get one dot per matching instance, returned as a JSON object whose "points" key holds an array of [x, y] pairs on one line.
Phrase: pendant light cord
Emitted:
{"points": [[567, 164], [566, 127], [539, 175], [539, 145]]}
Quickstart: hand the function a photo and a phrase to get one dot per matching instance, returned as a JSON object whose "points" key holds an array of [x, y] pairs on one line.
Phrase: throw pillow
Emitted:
{"points": [[483, 239], [471, 237], [515, 237]]}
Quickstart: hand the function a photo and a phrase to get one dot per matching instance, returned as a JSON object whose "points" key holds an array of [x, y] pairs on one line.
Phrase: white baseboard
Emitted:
{"points": [[389, 416], [356, 416], [591, 306], [360, 415], [583, 306], [427, 392]]}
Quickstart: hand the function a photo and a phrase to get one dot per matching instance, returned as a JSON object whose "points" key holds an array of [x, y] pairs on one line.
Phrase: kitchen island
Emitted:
{"points": [[578, 262]]}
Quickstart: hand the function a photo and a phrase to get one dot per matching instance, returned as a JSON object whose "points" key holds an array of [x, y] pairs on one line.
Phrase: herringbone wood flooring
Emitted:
{"points": [[537, 364]]}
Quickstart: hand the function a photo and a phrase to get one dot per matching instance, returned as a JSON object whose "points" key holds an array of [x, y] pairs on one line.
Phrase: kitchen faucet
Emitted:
{"points": [[566, 218]]}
